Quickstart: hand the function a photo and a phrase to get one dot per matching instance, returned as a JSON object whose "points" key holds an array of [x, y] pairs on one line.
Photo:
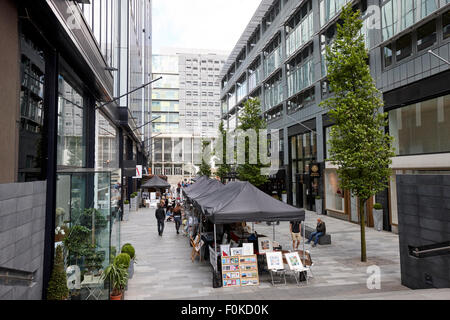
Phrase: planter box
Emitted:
{"points": [[134, 204], [378, 219], [318, 206], [284, 197], [126, 212]]}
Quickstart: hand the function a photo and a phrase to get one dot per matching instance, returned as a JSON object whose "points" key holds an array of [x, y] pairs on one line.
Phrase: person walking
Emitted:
{"points": [[295, 233], [320, 231], [177, 217], [160, 216]]}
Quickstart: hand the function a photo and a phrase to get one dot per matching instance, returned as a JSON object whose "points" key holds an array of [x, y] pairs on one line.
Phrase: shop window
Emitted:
{"points": [[446, 24], [426, 35], [387, 55], [421, 128], [403, 47]]}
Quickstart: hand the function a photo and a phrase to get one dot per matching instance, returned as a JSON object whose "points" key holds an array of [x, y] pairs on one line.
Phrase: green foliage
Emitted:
{"points": [[126, 202], [123, 260], [117, 276], [250, 118], [318, 197], [78, 241], [93, 259], [358, 144], [134, 195], [99, 220], [224, 169], [205, 167], [129, 249], [57, 286], [377, 206]]}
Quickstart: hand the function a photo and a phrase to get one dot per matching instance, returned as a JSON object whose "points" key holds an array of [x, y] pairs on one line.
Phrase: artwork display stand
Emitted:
{"points": [[240, 271]]}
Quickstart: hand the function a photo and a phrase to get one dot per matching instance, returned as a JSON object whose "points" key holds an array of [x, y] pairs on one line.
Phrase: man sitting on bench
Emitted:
{"points": [[320, 231]]}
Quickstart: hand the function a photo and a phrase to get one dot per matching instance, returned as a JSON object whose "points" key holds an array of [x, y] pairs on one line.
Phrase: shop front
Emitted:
{"points": [[305, 172]]}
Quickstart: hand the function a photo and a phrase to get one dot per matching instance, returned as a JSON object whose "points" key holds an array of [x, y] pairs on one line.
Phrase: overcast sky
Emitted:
{"points": [[200, 24]]}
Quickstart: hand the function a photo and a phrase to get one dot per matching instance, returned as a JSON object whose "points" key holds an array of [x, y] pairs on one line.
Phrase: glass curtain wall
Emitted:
{"points": [[31, 140], [302, 30], [398, 15], [71, 126]]}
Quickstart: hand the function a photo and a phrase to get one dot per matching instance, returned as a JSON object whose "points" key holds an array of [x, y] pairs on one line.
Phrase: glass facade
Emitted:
{"points": [[71, 126], [302, 33], [398, 15], [421, 128], [272, 61], [87, 230], [31, 141], [254, 79], [300, 78], [273, 95], [329, 9]]}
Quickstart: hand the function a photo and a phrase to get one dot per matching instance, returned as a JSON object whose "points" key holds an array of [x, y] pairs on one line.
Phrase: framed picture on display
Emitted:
{"points": [[236, 251], [293, 260], [225, 250], [247, 249], [274, 260], [265, 245]]}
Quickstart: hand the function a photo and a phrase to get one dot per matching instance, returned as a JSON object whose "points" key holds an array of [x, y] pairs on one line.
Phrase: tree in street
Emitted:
{"points": [[358, 144], [251, 120]]}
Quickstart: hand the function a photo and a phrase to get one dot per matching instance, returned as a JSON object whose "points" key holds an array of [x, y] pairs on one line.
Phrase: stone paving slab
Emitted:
{"points": [[164, 269]]}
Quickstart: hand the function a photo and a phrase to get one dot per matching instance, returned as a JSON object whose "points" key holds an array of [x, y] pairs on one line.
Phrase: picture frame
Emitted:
{"points": [[236, 251], [225, 250], [274, 260], [265, 245], [293, 260], [247, 249]]}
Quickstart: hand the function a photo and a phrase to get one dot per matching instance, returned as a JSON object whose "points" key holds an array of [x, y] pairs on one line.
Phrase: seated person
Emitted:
{"points": [[320, 231]]}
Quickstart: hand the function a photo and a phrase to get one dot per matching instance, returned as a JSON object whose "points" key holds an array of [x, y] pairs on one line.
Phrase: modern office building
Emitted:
{"points": [[185, 109], [280, 59], [65, 138]]}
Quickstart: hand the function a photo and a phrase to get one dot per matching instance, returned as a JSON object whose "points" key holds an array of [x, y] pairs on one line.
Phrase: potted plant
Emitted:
{"points": [[117, 277], [123, 260], [126, 209], [134, 200], [318, 204], [378, 216], [57, 286], [127, 248], [77, 242], [284, 196]]}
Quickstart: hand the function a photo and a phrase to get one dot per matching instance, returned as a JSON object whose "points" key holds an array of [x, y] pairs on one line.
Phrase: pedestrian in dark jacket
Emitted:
{"points": [[177, 217], [160, 216], [320, 231]]}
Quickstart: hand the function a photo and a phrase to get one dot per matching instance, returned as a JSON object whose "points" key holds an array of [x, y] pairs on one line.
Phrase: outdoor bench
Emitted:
{"points": [[326, 239]]}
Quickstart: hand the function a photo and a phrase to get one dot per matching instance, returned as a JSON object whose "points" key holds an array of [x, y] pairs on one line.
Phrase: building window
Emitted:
{"points": [[446, 24], [403, 47], [426, 35], [421, 128], [387, 54]]}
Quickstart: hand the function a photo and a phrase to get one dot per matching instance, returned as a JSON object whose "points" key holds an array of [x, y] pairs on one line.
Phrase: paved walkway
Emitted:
{"points": [[164, 269]]}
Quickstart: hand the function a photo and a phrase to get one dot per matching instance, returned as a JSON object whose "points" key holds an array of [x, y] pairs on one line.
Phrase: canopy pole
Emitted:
{"points": [[273, 227], [304, 261]]}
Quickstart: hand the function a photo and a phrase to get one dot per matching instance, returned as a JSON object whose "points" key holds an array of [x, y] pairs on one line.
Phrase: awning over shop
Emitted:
{"points": [[156, 182], [241, 201]]}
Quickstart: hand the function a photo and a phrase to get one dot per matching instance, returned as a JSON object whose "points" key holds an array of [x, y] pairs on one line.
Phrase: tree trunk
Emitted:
{"points": [[362, 220]]}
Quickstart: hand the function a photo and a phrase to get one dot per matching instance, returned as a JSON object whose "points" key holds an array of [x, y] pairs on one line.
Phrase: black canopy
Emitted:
{"points": [[156, 182], [199, 184], [207, 188], [241, 201]]}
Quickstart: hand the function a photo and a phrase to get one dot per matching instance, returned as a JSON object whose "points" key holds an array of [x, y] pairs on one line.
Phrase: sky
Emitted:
{"points": [[200, 24]]}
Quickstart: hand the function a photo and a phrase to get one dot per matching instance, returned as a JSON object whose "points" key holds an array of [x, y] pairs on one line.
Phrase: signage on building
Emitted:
{"points": [[138, 174], [314, 170]]}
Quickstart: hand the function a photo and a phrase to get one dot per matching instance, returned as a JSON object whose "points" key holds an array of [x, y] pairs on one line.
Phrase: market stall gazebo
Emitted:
{"points": [[156, 183]]}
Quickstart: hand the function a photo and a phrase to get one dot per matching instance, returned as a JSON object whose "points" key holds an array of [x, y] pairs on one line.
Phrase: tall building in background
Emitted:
{"points": [[185, 109], [280, 58]]}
